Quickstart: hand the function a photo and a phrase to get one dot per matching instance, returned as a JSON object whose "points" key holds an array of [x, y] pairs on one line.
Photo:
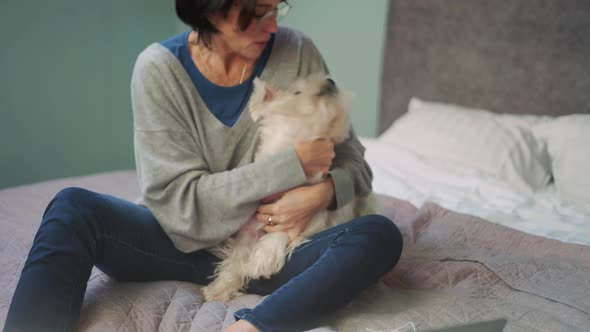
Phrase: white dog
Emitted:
{"points": [[311, 108]]}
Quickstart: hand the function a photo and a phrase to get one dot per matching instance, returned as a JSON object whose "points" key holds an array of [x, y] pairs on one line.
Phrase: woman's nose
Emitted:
{"points": [[270, 24]]}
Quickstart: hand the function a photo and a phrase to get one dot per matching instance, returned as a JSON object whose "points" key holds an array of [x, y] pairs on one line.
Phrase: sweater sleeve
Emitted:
{"points": [[350, 172], [196, 208]]}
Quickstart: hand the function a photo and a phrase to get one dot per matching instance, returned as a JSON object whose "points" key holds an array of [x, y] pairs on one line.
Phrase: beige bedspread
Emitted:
{"points": [[455, 268]]}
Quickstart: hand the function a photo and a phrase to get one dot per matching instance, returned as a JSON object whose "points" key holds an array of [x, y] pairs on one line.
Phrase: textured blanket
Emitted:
{"points": [[454, 269]]}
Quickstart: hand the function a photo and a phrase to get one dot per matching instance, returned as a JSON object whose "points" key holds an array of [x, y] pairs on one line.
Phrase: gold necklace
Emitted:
{"points": [[207, 66]]}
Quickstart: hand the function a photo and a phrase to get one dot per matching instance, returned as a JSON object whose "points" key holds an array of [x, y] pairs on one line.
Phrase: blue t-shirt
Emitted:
{"points": [[226, 103]]}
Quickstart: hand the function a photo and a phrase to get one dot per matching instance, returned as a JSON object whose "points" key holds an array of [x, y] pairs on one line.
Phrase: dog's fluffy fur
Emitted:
{"points": [[311, 108]]}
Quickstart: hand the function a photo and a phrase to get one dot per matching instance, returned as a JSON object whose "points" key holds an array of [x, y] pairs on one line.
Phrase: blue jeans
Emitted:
{"points": [[81, 229]]}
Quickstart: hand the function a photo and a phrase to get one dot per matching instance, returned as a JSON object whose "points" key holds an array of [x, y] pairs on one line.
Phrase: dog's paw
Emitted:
{"points": [[225, 287], [217, 291]]}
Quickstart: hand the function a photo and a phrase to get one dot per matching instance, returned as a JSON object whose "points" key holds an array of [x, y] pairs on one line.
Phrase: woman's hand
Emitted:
{"points": [[294, 210], [315, 156]]}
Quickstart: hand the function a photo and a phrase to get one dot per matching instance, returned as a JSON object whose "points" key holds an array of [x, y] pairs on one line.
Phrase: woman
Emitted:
{"points": [[194, 147]]}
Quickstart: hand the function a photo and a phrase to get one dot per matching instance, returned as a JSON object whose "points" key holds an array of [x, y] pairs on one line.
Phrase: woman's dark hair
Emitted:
{"points": [[195, 13]]}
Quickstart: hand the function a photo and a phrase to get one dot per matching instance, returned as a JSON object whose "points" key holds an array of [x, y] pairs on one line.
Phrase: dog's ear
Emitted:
{"points": [[262, 90], [262, 93]]}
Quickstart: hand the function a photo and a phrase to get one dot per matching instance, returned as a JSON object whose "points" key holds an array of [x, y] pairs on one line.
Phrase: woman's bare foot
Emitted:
{"points": [[241, 326]]}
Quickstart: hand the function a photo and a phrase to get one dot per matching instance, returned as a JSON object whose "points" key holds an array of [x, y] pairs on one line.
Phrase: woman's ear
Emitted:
{"points": [[216, 19]]}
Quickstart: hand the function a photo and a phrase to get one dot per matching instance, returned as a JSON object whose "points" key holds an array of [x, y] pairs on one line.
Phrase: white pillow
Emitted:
{"points": [[568, 142], [499, 145]]}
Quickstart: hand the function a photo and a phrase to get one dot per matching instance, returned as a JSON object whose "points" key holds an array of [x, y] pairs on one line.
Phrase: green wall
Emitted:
{"points": [[64, 87], [350, 35], [65, 65]]}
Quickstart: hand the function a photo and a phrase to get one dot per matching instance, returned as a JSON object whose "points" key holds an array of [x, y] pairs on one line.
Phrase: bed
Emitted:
{"points": [[483, 240]]}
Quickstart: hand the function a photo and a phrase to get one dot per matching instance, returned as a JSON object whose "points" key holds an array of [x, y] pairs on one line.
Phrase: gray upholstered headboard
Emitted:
{"points": [[508, 56]]}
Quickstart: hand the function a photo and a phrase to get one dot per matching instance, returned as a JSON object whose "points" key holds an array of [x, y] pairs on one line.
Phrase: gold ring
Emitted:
{"points": [[269, 222]]}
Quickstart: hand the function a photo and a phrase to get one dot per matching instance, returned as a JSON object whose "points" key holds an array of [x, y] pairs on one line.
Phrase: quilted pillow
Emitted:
{"points": [[502, 146]]}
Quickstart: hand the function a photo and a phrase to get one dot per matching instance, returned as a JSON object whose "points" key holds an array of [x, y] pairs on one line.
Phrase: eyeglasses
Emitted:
{"points": [[280, 12]]}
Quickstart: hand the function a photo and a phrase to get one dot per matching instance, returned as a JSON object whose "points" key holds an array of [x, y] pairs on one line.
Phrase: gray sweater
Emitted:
{"points": [[196, 175]]}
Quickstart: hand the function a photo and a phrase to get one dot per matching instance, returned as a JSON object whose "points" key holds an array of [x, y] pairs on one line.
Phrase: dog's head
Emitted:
{"points": [[315, 95]]}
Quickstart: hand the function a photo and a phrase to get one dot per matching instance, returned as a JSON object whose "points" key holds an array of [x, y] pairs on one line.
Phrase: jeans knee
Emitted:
{"points": [[72, 207], [387, 239], [70, 225], [75, 195]]}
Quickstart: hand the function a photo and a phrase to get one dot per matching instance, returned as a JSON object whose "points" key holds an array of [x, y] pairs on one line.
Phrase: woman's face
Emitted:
{"points": [[251, 42]]}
